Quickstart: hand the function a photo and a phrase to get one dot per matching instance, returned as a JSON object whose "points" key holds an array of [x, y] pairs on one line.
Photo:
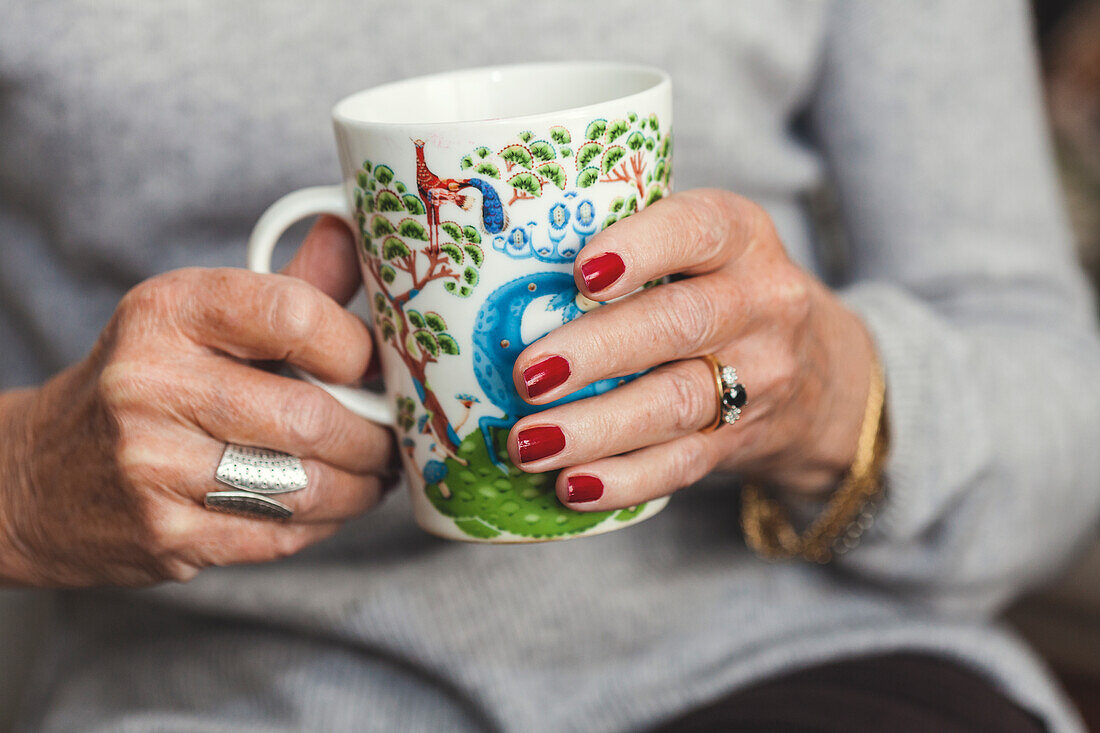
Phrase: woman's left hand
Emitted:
{"points": [[804, 358]]}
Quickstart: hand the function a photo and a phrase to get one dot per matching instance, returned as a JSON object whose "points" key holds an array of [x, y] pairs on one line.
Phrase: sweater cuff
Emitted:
{"points": [[937, 439]]}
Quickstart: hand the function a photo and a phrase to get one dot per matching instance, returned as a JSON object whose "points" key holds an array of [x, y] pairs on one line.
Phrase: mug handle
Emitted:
{"points": [[279, 217]]}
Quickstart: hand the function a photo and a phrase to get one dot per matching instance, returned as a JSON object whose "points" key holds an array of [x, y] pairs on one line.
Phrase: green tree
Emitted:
{"points": [[402, 262]]}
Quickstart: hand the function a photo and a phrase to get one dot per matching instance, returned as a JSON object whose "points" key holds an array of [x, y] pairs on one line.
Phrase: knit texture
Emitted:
{"points": [[139, 137]]}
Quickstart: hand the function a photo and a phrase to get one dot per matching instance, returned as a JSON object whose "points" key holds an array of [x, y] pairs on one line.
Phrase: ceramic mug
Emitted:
{"points": [[471, 193]]}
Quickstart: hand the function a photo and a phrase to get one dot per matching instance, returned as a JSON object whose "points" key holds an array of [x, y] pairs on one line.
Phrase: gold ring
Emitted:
{"points": [[731, 394]]}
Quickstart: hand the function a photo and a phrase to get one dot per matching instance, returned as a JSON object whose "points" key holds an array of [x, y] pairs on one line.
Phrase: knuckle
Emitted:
{"points": [[690, 463], [699, 212], [158, 294], [122, 383], [305, 417], [793, 296], [136, 461], [166, 528], [286, 542], [179, 571], [784, 368], [690, 398], [296, 310], [689, 318]]}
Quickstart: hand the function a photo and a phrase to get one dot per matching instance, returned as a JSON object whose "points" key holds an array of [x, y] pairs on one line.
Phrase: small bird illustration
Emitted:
{"points": [[436, 191]]}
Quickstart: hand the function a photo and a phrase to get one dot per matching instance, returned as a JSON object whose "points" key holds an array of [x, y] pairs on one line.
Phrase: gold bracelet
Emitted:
{"points": [[850, 510]]}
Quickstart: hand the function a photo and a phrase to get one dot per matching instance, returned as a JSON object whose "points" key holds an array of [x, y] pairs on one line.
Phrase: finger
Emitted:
{"points": [[330, 494], [235, 403], [646, 474], [187, 467], [674, 321], [275, 317], [692, 233], [668, 403], [327, 260], [192, 537]]}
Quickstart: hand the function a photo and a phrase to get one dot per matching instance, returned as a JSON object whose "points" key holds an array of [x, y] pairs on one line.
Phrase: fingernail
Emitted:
{"points": [[600, 272], [582, 488], [540, 442], [544, 376]]}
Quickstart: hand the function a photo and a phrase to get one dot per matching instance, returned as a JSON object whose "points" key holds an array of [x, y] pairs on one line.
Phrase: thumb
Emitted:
{"points": [[327, 259]]}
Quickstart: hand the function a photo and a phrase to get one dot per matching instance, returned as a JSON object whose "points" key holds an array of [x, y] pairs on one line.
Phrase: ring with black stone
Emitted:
{"points": [[730, 392]]}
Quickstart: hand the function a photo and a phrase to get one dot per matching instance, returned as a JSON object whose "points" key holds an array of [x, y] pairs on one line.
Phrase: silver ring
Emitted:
{"points": [[247, 504], [260, 470], [254, 474]]}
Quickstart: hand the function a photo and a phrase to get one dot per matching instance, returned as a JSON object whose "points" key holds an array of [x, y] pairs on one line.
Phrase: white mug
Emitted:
{"points": [[471, 193]]}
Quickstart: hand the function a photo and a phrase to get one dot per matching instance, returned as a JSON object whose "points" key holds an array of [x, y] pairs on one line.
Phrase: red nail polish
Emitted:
{"points": [[600, 272], [540, 442], [544, 376], [582, 488]]}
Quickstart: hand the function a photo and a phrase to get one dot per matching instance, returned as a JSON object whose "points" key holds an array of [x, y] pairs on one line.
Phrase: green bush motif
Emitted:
{"points": [[427, 340], [412, 229], [447, 344], [435, 321], [484, 502], [454, 231], [380, 226], [587, 153], [406, 411], [413, 204], [394, 247], [388, 201], [517, 155], [471, 234], [452, 250], [527, 183], [595, 129], [488, 169], [588, 176], [553, 173], [560, 135], [617, 129], [383, 174], [475, 253], [543, 151], [611, 158]]}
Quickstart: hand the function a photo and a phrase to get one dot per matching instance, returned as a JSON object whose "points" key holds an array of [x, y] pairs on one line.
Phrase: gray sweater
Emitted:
{"points": [[135, 138]]}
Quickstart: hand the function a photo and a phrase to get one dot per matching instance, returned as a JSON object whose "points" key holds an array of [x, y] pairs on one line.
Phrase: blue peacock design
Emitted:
{"points": [[514, 316]]}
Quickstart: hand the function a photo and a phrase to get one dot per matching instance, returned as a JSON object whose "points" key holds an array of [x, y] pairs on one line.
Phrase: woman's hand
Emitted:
{"points": [[804, 359], [105, 466]]}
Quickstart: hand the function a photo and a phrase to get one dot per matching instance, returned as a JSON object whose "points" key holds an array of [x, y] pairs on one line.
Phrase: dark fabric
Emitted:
{"points": [[898, 693]]}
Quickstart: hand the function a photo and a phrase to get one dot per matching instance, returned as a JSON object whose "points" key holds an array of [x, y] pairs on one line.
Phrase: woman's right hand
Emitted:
{"points": [[103, 469]]}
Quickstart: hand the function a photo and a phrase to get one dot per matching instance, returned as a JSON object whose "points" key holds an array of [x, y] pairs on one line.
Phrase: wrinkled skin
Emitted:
{"points": [[804, 358], [105, 466]]}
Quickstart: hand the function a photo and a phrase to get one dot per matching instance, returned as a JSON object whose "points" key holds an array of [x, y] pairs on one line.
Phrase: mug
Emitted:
{"points": [[471, 193]]}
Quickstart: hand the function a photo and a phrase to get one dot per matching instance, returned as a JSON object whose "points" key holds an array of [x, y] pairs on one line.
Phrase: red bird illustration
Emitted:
{"points": [[435, 191]]}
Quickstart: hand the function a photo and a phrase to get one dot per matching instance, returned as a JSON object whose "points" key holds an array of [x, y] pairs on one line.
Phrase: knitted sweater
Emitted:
{"points": [[140, 137]]}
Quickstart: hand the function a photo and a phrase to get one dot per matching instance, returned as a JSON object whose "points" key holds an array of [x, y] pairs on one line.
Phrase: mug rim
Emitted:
{"points": [[660, 79]]}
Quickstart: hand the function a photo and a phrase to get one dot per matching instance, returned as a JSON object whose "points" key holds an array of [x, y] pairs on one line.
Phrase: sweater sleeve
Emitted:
{"points": [[961, 263]]}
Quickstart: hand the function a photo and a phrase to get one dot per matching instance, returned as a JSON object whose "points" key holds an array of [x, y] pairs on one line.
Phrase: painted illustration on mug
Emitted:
{"points": [[534, 198]]}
